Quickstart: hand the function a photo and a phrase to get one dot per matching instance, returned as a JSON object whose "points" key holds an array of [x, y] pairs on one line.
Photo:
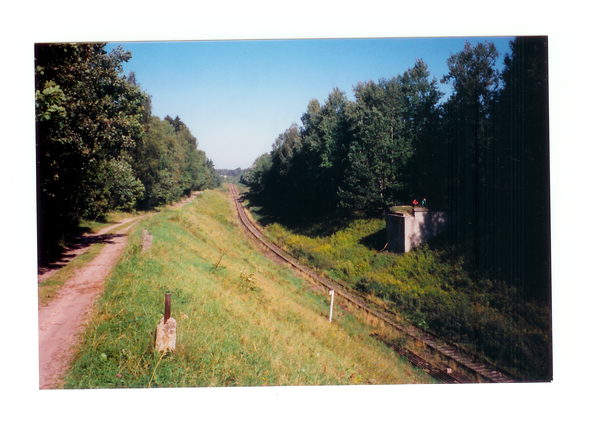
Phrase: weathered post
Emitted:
{"points": [[167, 306], [166, 331]]}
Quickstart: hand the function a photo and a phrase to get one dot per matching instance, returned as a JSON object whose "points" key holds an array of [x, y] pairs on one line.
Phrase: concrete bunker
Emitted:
{"points": [[406, 231]]}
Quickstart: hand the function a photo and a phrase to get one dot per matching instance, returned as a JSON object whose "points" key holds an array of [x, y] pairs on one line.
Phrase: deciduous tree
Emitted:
{"points": [[87, 114]]}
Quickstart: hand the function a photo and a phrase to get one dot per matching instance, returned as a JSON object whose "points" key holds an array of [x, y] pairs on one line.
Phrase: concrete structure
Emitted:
{"points": [[405, 231], [166, 335]]}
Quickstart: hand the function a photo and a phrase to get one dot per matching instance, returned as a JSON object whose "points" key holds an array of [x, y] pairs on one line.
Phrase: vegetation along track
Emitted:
{"points": [[447, 363]]}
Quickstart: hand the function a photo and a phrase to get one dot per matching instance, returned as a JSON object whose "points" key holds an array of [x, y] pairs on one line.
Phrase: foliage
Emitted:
{"points": [[87, 115], [169, 163], [255, 176], [349, 155], [124, 188], [389, 124], [230, 176], [99, 148]]}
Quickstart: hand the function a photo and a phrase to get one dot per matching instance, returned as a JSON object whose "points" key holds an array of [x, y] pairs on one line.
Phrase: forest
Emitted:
{"points": [[98, 146], [481, 154]]}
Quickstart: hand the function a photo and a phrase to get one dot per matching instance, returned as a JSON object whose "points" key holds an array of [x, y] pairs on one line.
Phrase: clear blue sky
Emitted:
{"points": [[238, 96]]}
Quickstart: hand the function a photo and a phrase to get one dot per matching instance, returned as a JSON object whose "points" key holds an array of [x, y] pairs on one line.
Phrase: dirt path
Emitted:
{"points": [[80, 245], [62, 320]]}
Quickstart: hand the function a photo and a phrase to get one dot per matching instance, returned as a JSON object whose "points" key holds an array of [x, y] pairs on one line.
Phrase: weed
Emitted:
{"points": [[247, 279], [218, 263]]}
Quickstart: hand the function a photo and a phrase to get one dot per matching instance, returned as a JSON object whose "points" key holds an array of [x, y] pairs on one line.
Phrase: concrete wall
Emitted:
{"points": [[406, 232]]}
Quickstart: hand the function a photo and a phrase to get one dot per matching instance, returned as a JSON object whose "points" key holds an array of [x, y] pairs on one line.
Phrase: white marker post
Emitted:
{"points": [[331, 308]]}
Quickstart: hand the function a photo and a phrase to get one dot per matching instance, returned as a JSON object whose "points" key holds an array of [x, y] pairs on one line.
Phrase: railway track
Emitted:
{"points": [[445, 361]]}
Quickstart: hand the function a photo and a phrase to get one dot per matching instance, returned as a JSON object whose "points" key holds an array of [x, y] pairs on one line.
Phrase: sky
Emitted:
{"points": [[238, 96]]}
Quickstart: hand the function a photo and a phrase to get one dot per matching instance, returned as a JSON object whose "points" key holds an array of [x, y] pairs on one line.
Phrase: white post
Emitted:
{"points": [[331, 308]]}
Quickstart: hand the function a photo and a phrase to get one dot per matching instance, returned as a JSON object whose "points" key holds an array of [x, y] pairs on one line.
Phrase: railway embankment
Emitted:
{"points": [[242, 319]]}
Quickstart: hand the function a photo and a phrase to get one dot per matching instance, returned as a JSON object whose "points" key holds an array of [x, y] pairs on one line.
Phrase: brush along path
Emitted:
{"points": [[60, 322], [473, 368]]}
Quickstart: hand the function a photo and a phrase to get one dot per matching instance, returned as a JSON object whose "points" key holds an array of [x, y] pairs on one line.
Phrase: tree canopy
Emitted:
{"points": [[350, 154], [98, 146], [481, 155]]}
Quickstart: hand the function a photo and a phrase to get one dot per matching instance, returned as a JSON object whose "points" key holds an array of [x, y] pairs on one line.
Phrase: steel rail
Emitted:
{"points": [[475, 369]]}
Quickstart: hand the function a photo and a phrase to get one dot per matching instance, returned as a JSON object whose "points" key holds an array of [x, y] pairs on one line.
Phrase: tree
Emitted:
{"points": [[279, 183], [124, 188], [522, 173], [325, 139], [87, 114], [169, 164], [473, 77], [390, 121], [426, 171], [370, 181], [255, 176], [475, 82]]}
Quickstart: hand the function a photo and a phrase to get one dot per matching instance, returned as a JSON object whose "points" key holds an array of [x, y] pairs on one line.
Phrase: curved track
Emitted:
{"points": [[449, 363]]}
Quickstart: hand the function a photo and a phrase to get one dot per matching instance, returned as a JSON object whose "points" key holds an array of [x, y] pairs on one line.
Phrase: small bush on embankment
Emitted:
{"points": [[242, 320], [433, 289]]}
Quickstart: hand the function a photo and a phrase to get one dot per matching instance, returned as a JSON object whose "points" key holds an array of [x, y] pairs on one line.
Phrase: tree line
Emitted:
{"points": [[98, 146], [482, 154]]}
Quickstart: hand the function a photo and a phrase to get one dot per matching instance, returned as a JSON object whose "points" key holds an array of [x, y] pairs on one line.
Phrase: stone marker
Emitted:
{"points": [[166, 335], [147, 243]]}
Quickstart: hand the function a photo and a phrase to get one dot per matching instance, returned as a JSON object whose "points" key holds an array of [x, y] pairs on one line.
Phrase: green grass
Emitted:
{"points": [[92, 226], [242, 320], [431, 288]]}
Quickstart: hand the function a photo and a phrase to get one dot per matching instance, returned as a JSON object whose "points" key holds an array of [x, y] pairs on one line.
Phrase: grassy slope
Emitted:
{"points": [[247, 322], [432, 288]]}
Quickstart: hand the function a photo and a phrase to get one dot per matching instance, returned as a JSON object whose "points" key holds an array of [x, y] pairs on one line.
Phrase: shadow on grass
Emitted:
{"points": [[59, 256], [300, 222], [375, 241]]}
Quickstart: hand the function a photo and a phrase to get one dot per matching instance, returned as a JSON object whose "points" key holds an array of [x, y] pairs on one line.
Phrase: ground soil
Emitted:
{"points": [[62, 320]]}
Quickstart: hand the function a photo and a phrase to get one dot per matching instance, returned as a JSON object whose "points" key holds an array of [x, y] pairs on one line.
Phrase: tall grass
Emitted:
{"points": [[242, 320], [433, 289]]}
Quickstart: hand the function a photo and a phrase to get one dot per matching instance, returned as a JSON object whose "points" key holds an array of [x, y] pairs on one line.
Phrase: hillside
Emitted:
{"points": [[242, 320]]}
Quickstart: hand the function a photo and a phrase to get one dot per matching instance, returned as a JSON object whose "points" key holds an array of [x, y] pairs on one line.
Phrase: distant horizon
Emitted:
{"points": [[238, 96]]}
